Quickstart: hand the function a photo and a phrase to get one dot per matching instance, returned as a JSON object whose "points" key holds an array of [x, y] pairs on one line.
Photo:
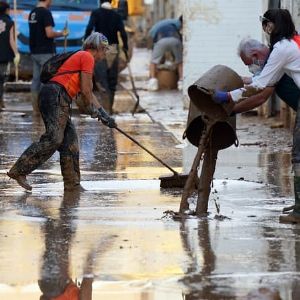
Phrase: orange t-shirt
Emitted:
{"points": [[71, 293], [80, 61], [296, 38]]}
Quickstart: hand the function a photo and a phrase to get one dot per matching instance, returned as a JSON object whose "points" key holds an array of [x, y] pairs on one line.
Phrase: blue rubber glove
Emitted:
{"points": [[221, 97]]}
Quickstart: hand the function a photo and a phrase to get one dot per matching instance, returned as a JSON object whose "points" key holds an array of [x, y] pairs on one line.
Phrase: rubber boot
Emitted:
{"points": [[294, 216], [35, 104], [70, 171]]}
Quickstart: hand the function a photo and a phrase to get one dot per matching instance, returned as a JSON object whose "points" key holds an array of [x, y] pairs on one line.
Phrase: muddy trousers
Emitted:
{"points": [[296, 161], [55, 108]]}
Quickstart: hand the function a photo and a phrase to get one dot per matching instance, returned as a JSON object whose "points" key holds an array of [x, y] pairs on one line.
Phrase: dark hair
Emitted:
{"points": [[103, 1], [3, 7], [284, 27]]}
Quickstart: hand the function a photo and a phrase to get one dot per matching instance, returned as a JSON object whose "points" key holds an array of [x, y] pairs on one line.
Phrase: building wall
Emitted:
{"points": [[166, 9], [212, 31], [294, 7]]}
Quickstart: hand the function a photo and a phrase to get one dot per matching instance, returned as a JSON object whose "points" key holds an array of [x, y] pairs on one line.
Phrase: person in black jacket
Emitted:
{"points": [[8, 47], [108, 22]]}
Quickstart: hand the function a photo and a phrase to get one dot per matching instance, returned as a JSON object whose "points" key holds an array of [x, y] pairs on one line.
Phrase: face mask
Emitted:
{"points": [[256, 67]]}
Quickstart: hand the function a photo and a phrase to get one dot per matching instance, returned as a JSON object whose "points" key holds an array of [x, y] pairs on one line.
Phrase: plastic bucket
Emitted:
{"points": [[202, 106]]}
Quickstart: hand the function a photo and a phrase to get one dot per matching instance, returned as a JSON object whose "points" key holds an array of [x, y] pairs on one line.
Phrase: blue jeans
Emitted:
{"points": [[38, 61]]}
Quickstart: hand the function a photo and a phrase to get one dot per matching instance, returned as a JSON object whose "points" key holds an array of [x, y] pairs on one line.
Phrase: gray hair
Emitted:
{"points": [[95, 41], [247, 45]]}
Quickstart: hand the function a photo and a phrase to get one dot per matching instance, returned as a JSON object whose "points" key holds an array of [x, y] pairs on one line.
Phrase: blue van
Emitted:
{"points": [[75, 12]]}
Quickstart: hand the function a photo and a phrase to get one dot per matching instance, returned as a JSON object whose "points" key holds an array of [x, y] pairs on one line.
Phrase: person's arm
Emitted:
{"points": [[93, 106], [90, 26], [86, 82], [253, 101], [246, 79], [51, 34], [48, 24], [12, 41]]}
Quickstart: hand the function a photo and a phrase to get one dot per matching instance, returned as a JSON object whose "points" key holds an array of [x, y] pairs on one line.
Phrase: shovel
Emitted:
{"points": [[65, 37], [175, 181], [132, 83], [15, 36]]}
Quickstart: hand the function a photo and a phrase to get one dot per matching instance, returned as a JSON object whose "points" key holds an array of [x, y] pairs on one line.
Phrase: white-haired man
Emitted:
{"points": [[55, 98], [255, 55]]}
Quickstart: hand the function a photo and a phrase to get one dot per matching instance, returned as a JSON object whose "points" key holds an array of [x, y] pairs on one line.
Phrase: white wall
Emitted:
{"points": [[294, 7], [212, 32]]}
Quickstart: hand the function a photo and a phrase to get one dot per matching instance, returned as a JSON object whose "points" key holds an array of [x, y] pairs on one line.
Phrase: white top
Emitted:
{"points": [[284, 59]]}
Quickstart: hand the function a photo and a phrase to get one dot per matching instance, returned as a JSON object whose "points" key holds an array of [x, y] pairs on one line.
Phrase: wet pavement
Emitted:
{"points": [[116, 231]]}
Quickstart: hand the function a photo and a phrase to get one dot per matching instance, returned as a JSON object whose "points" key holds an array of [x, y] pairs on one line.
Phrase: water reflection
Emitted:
{"points": [[197, 244], [98, 147], [55, 279], [277, 172]]}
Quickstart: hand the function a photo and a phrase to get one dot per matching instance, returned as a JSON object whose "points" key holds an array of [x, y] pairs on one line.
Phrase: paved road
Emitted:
{"points": [[117, 231]]}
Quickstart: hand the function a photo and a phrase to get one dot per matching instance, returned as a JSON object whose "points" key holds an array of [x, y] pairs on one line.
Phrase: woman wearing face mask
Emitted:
{"points": [[284, 59]]}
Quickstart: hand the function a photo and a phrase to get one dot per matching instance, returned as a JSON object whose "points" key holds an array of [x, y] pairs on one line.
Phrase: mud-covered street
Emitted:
{"points": [[116, 230]]}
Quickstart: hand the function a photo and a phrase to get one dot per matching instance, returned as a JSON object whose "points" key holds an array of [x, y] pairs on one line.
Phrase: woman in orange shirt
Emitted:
{"points": [[55, 98]]}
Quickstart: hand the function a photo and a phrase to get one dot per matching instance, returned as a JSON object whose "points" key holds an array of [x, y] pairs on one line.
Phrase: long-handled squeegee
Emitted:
{"points": [[176, 180]]}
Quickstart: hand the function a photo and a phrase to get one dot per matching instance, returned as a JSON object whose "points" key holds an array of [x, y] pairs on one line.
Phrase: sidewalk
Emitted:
{"points": [[165, 106]]}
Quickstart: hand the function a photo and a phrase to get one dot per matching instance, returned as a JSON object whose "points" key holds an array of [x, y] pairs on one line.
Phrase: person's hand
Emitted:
{"points": [[92, 111], [65, 32], [247, 80], [221, 97], [17, 59], [105, 118]]}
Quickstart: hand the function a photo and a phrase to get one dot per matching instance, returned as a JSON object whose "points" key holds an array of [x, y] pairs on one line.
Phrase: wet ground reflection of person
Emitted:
{"points": [[55, 281], [197, 274], [198, 280]]}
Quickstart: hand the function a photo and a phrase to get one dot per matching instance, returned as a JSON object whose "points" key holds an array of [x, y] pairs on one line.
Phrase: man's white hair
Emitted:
{"points": [[247, 45], [95, 41]]}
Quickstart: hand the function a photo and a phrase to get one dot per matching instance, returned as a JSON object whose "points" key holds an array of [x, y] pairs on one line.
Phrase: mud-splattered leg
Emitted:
{"points": [[55, 113], [69, 158]]}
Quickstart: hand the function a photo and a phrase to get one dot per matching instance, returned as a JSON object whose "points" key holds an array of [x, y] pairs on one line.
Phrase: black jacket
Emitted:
{"points": [[6, 53], [109, 23]]}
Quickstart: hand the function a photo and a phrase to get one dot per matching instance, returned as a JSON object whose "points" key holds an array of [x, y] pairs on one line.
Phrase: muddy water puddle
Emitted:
{"points": [[116, 229], [119, 235]]}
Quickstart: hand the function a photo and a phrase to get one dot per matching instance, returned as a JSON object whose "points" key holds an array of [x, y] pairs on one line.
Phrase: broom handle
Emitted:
{"points": [[153, 155], [16, 34], [65, 37]]}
